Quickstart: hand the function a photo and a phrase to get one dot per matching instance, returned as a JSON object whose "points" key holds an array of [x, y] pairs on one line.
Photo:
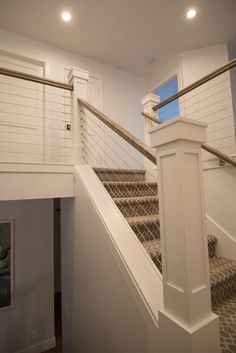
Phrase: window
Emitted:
{"points": [[166, 90]]}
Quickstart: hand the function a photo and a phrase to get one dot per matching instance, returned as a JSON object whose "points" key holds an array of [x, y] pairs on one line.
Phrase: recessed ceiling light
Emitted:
{"points": [[66, 16], [191, 13]]}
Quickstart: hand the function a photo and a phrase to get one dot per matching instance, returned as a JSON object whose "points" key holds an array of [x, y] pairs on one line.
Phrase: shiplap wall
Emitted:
{"points": [[21, 118], [211, 103], [32, 116]]}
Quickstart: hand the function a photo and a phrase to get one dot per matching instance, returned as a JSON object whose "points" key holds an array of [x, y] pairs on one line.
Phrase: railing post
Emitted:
{"points": [[79, 79], [187, 324], [148, 102]]}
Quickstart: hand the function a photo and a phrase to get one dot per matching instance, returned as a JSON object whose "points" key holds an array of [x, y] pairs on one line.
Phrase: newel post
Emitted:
{"points": [[187, 324], [148, 102], [79, 78]]}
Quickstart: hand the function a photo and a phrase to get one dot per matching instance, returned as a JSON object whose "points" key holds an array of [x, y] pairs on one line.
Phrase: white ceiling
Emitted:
{"points": [[123, 33]]}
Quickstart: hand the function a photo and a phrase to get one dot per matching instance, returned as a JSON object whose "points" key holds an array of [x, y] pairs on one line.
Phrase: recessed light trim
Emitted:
{"points": [[66, 16], [191, 13]]}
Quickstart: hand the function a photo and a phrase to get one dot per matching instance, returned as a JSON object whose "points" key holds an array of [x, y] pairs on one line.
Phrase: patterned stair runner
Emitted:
{"points": [[138, 202]]}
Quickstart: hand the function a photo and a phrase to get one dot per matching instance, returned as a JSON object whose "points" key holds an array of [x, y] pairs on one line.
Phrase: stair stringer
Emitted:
{"points": [[140, 274]]}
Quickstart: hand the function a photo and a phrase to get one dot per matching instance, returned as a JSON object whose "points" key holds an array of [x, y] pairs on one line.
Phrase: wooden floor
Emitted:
{"points": [[58, 330]]}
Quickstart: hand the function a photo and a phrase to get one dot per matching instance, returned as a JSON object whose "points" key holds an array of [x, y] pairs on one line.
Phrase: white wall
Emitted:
{"points": [[169, 70], [33, 278], [220, 196], [121, 91], [220, 193]]}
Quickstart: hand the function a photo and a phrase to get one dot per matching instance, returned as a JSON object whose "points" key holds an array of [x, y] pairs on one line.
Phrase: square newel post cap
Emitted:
{"points": [[150, 98], [178, 129], [76, 73]]}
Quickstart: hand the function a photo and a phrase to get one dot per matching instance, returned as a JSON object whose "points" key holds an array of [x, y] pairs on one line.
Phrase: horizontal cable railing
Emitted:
{"points": [[35, 119], [127, 136], [118, 157], [208, 100]]}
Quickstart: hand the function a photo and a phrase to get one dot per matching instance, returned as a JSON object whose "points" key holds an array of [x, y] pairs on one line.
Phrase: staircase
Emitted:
{"points": [[132, 196]]}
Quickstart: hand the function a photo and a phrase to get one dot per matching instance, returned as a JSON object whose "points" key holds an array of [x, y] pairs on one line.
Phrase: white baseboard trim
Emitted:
{"points": [[40, 347]]}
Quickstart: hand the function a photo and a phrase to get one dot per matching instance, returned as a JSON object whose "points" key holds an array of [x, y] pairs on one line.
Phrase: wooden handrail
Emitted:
{"points": [[155, 120], [33, 78], [127, 136], [196, 84], [219, 154]]}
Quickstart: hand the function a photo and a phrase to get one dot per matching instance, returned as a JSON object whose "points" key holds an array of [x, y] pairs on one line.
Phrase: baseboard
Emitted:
{"points": [[226, 243], [40, 347]]}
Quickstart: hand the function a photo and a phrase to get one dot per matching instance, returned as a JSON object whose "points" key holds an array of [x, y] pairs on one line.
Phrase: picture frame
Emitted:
{"points": [[6, 264]]}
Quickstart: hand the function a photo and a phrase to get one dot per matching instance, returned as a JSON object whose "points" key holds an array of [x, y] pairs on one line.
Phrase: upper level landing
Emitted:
{"points": [[22, 181]]}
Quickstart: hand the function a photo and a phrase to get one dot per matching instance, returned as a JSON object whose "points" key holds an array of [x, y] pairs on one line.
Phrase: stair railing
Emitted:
{"points": [[182, 218], [205, 104], [110, 150]]}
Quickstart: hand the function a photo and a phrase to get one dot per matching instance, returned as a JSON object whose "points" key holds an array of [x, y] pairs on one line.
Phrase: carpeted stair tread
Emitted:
{"points": [[227, 315], [145, 227], [136, 199], [130, 183], [119, 170], [211, 245], [130, 188], [223, 278], [110, 174], [137, 206], [153, 248], [152, 218]]}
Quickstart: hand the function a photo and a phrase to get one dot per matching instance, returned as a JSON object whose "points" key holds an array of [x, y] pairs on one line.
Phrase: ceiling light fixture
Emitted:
{"points": [[66, 16], [191, 13]]}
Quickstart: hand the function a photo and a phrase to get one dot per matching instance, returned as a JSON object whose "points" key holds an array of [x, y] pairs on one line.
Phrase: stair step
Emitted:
{"points": [[137, 206], [153, 247], [227, 315], [130, 189], [211, 245], [223, 279], [109, 174], [145, 227]]}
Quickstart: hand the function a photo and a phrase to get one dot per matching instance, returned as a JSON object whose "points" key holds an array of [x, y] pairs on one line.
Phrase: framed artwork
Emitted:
{"points": [[6, 264]]}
